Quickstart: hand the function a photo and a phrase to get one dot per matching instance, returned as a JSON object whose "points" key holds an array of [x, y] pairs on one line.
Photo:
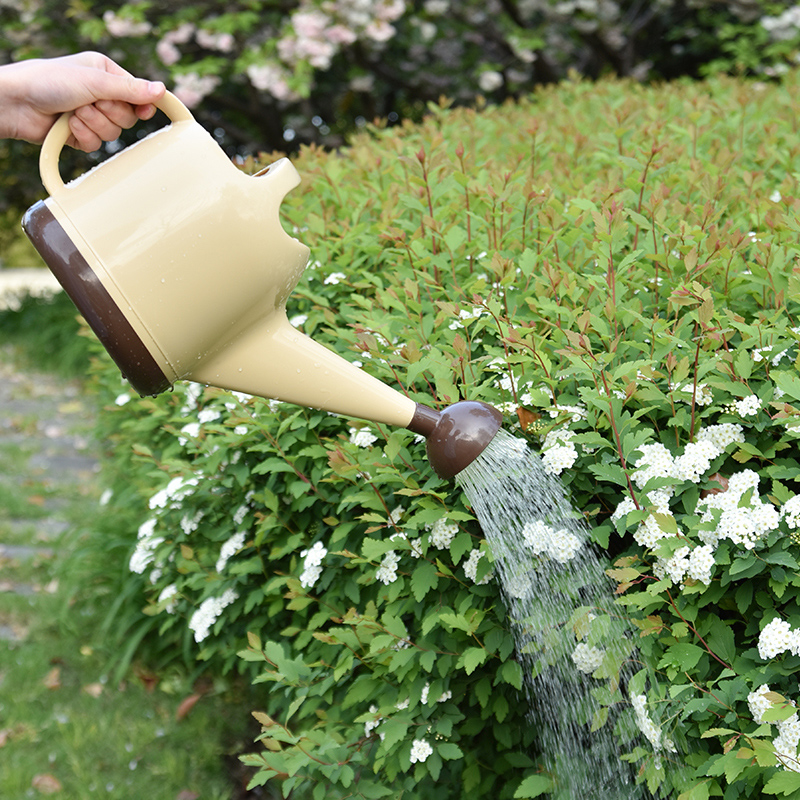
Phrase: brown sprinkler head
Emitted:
{"points": [[457, 435]]}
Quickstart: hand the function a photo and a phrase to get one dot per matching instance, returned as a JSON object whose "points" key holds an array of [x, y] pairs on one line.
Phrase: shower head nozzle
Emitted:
{"points": [[457, 435]]}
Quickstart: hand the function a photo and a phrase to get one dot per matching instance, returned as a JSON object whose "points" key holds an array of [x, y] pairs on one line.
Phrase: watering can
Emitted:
{"points": [[179, 264]]}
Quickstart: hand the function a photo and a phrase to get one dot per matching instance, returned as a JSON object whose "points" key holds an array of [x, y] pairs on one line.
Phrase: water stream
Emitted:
{"points": [[561, 605]]}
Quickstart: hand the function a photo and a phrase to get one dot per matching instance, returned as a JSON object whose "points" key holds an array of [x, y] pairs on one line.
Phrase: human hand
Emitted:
{"points": [[103, 96]]}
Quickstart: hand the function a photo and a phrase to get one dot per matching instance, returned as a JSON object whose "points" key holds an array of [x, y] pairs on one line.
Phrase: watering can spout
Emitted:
{"points": [[273, 359]]}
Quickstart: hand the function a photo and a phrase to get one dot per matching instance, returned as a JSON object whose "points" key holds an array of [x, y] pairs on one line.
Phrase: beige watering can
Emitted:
{"points": [[179, 263]]}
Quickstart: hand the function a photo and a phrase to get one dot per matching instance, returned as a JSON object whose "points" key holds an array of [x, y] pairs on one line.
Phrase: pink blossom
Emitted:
{"points": [[310, 24], [340, 34], [211, 40], [379, 31], [167, 52], [391, 11], [120, 26], [191, 88]]}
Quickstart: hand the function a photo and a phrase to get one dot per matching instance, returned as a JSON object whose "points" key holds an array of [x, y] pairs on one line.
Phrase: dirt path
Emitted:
{"points": [[47, 467]]}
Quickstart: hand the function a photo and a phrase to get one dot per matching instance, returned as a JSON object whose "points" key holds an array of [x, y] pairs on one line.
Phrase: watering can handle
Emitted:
{"points": [[57, 137]]}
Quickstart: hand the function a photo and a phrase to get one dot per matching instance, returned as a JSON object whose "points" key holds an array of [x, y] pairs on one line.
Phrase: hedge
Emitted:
{"points": [[613, 266]]}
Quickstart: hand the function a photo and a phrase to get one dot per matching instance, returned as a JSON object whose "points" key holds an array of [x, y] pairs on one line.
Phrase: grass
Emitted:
{"points": [[68, 728]]}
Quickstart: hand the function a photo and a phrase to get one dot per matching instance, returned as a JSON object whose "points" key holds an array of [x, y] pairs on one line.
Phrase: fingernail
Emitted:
{"points": [[155, 87]]}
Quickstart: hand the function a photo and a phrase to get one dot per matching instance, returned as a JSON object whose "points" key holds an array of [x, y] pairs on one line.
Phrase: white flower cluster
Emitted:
{"points": [[783, 27], [561, 545], [558, 451], [420, 750], [697, 563], [173, 493], [471, 568], [576, 413], [701, 393], [442, 533], [464, 314], [724, 514], [785, 743], [744, 524], [169, 597], [587, 658], [146, 544], [312, 564], [790, 512], [777, 637], [746, 407], [362, 437], [387, 571], [230, 548], [759, 352], [209, 612], [647, 726]]}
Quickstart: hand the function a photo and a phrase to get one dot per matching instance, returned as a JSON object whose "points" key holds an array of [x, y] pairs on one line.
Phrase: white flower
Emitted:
{"points": [[701, 563], [558, 451], [122, 399], [189, 524], [208, 415], [701, 393], [209, 612], [489, 80], [647, 726], [442, 533], [371, 724], [334, 278], [387, 571], [655, 461], [144, 553], [577, 413], [362, 437], [721, 435], [471, 568], [790, 513], [420, 750], [775, 638], [312, 564], [623, 508], [169, 596], [695, 461], [748, 406], [587, 658], [230, 548], [674, 567], [171, 495], [758, 703]]}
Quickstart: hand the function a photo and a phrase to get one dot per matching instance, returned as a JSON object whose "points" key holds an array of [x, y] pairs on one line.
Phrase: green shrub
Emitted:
{"points": [[614, 267]]}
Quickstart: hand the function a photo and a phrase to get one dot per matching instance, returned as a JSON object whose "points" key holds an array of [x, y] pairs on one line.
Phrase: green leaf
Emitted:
{"points": [[534, 786], [449, 751], [423, 579], [783, 782], [683, 656], [471, 659]]}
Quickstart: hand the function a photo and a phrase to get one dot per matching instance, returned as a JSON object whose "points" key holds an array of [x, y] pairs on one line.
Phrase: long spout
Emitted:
{"points": [[275, 360]]}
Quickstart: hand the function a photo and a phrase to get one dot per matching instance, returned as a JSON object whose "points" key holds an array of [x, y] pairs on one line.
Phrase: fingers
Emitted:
{"points": [[103, 121]]}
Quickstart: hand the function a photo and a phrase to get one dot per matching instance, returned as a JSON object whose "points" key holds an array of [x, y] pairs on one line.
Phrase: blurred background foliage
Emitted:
{"points": [[268, 75]]}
